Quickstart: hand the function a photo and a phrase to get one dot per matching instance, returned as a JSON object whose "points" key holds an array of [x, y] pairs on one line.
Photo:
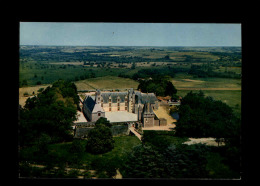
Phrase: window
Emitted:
{"points": [[101, 104], [125, 108], [110, 104], [99, 114], [118, 104], [109, 109], [109, 99], [118, 108], [118, 100], [125, 104]]}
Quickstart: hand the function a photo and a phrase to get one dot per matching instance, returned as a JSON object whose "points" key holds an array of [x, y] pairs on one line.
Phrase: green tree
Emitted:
{"points": [[133, 65], [143, 162], [202, 116], [100, 140], [103, 121], [51, 113]]}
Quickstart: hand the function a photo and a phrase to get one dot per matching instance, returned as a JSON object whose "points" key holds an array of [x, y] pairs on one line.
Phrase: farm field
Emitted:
{"points": [[226, 90], [30, 91], [207, 83], [107, 82]]}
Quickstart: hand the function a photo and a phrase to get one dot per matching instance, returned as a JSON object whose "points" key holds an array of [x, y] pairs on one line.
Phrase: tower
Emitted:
{"points": [[131, 100], [98, 96], [148, 115]]}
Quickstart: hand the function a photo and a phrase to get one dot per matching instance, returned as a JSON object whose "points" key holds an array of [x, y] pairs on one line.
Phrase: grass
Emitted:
{"points": [[107, 82], [226, 83], [59, 154], [123, 146]]}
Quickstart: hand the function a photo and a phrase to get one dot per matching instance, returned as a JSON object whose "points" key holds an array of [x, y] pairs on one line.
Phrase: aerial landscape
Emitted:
{"points": [[102, 100]]}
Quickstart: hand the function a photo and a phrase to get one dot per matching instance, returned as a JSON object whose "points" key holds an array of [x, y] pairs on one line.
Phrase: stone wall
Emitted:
{"points": [[117, 130], [156, 122], [163, 122], [82, 132]]}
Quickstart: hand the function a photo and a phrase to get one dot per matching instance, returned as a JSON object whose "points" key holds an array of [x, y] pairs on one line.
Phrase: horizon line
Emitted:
{"points": [[132, 45]]}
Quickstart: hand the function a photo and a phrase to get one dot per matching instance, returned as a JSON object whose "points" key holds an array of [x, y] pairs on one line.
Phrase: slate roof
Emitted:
{"points": [[90, 103], [145, 97], [92, 106], [98, 108], [148, 108], [114, 96]]}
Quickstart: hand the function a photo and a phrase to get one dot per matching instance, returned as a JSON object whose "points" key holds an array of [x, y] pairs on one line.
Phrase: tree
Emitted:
{"points": [[185, 161], [170, 89], [133, 65], [100, 140], [51, 113], [167, 57], [103, 121], [202, 116], [143, 162]]}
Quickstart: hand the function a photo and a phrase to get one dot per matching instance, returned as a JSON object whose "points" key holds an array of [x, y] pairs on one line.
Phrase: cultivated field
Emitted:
{"points": [[107, 82]]}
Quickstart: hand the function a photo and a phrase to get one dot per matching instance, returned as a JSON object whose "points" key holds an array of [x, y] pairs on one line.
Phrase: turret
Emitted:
{"points": [[98, 96]]}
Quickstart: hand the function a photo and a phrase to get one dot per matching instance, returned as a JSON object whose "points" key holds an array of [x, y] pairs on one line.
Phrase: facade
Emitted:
{"points": [[131, 101]]}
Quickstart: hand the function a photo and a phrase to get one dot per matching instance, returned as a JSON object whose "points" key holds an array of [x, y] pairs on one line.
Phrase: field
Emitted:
{"points": [[107, 82], [30, 91], [186, 82], [93, 67]]}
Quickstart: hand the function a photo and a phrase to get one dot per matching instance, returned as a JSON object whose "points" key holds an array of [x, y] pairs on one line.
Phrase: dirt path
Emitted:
{"points": [[206, 141], [132, 129]]}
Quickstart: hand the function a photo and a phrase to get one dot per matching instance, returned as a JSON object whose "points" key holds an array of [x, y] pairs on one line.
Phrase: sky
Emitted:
{"points": [[130, 34]]}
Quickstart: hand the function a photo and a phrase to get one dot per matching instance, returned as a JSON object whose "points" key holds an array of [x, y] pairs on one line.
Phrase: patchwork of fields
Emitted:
{"points": [[226, 90]]}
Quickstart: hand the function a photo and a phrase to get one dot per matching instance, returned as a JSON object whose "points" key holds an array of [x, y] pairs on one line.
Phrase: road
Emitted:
{"points": [[132, 129]]}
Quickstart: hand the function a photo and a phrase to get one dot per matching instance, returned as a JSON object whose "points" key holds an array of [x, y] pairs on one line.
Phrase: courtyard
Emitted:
{"points": [[121, 116]]}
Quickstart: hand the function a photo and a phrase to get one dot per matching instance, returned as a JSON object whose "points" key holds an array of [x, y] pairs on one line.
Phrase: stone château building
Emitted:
{"points": [[141, 104]]}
